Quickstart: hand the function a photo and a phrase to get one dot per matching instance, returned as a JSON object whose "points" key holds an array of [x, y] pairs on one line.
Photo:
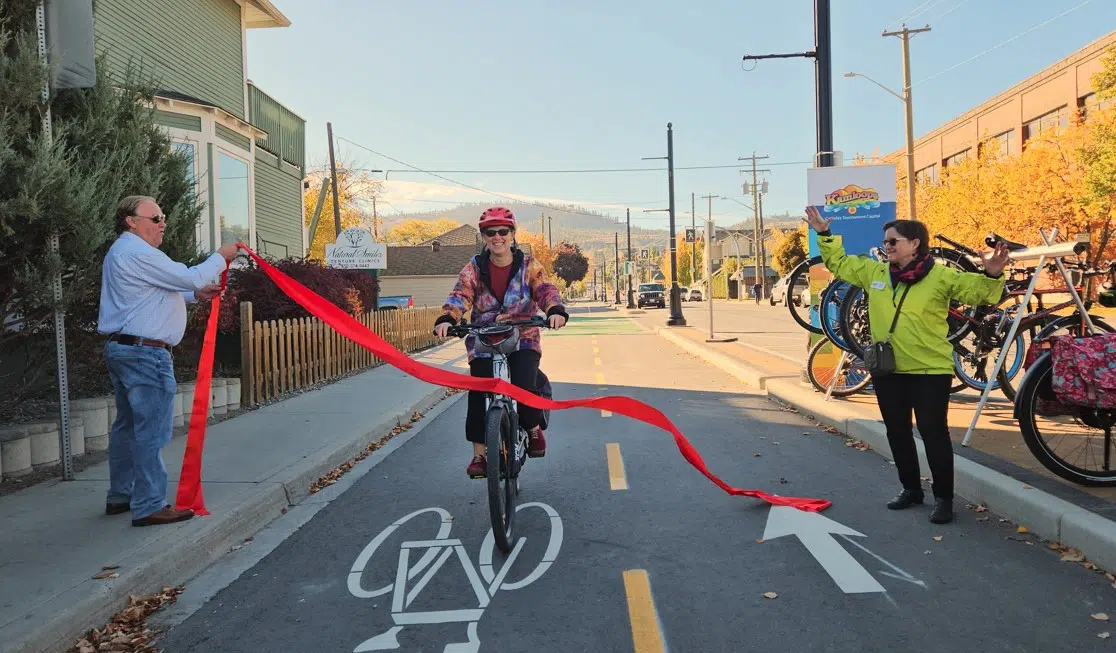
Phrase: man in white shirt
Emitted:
{"points": [[143, 312]]}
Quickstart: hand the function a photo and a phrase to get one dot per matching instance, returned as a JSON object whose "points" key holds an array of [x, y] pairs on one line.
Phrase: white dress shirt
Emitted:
{"points": [[144, 293]]}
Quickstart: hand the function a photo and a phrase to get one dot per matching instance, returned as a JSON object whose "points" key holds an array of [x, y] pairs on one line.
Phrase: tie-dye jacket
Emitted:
{"points": [[529, 289]]}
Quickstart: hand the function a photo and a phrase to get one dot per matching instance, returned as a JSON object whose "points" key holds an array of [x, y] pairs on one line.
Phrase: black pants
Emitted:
{"points": [[523, 366], [927, 395]]}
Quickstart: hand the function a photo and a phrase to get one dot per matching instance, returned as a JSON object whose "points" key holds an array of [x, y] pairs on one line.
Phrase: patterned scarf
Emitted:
{"points": [[913, 272]]}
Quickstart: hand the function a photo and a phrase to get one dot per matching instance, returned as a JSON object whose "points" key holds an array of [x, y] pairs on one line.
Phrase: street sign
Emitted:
{"points": [[691, 234], [356, 250], [644, 253]]}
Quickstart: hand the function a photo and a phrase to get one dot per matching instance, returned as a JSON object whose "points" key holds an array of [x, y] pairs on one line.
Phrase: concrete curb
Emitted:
{"points": [[183, 553], [1042, 513]]}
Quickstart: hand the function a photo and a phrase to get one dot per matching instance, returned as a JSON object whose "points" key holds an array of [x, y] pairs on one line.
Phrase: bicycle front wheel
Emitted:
{"points": [[498, 438], [822, 369], [804, 315]]}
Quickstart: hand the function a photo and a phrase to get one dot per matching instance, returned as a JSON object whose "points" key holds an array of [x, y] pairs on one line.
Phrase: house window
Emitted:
{"points": [[963, 155], [190, 151], [1002, 143], [1057, 119], [928, 175], [232, 199]]}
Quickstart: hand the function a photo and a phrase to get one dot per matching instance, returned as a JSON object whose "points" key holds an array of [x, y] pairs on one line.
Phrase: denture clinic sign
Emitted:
{"points": [[355, 250]]}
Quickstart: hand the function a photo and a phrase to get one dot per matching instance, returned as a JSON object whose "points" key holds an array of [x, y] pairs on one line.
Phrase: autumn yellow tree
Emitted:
{"points": [[539, 249], [683, 251], [789, 249], [415, 231], [354, 189]]}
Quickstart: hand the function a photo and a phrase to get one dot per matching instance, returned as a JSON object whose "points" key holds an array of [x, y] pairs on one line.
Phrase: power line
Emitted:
{"points": [[912, 13], [1003, 43], [574, 171], [951, 10]]}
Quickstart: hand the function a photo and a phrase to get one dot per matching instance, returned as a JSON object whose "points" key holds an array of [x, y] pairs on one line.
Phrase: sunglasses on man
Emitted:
{"points": [[489, 233], [155, 219]]}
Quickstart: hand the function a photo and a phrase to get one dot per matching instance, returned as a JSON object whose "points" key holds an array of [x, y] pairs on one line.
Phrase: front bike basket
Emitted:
{"points": [[497, 339]]}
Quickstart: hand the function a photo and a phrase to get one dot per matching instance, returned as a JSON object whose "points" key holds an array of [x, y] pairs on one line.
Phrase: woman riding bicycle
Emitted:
{"points": [[500, 284]]}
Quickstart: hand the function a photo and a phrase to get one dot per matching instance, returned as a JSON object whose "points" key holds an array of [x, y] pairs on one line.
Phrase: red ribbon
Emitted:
{"points": [[189, 495], [350, 328]]}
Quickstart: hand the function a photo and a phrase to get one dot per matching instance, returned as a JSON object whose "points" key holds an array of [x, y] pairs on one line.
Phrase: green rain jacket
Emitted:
{"points": [[919, 340]]}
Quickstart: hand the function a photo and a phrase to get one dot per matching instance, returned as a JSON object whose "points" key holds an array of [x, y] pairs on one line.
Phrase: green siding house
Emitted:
{"points": [[248, 150]]}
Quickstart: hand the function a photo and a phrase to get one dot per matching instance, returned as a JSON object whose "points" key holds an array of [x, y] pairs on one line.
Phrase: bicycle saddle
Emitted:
{"points": [[994, 238]]}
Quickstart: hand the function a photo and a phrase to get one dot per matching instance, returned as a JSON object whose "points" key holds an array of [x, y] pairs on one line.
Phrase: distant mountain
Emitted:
{"points": [[590, 229]]}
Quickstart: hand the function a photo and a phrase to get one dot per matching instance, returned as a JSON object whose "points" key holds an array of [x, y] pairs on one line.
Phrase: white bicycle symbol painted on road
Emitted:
{"points": [[438, 551]]}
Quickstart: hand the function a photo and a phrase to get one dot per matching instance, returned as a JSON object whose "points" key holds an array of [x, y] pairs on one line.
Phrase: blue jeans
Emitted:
{"points": [[143, 380]]}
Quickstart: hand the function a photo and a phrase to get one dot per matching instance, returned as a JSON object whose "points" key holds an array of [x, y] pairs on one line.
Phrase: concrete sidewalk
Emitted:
{"points": [[996, 471], [56, 537]]}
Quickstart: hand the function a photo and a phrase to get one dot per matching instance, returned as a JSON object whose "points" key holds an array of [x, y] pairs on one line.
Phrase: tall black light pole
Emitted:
{"points": [[631, 299], [676, 318], [823, 80]]}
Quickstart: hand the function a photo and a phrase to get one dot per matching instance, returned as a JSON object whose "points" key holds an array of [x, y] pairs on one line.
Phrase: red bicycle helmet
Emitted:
{"points": [[497, 216]]}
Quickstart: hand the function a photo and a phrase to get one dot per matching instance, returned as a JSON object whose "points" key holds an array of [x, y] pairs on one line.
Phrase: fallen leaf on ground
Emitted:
{"points": [[937, 538], [128, 631], [770, 595], [1100, 616], [756, 454], [860, 445], [1022, 529], [1110, 576], [978, 507], [759, 541], [108, 567], [1073, 555], [829, 429], [106, 574]]}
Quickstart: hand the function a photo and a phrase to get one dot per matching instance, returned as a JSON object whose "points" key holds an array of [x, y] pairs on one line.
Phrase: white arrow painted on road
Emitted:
{"points": [[816, 532]]}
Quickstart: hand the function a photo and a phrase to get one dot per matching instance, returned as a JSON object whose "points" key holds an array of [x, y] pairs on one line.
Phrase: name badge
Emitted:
{"points": [[878, 285]]}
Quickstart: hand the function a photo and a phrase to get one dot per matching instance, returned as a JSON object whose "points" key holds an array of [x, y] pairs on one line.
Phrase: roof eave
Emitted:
{"points": [[261, 13]]}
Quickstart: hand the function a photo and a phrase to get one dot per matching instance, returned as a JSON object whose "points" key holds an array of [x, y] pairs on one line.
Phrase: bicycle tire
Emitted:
{"points": [[1044, 333], [802, 271], [1038, 375], [855, 300], [821, 385], [501, 484], [829, 311]]}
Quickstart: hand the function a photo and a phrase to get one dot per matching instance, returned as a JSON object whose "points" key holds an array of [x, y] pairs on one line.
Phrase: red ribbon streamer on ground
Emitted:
{"points": [[189, 495], [190, 484]]}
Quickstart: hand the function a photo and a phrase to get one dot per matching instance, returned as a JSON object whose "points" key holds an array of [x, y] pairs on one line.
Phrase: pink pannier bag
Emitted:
{"points": [[1084, 372]]}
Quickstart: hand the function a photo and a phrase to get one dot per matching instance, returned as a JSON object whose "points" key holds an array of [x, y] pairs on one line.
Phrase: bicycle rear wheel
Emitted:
{"points": [[804, 315], [821, 368], [1066, 325], [499, 440], [1054, 439]]}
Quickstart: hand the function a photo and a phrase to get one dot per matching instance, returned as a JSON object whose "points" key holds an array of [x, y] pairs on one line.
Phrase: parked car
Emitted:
{"points": [[394, 302], [651, 294], [695, 295], [683, 293], [779, 292]]}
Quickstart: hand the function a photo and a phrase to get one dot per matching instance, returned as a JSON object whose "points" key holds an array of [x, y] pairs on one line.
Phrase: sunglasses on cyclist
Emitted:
{"points": [[892, 241], [497, 232], [155, 219]]}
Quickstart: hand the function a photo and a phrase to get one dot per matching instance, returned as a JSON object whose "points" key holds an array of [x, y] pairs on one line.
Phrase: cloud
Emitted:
{"points": [[417, 196]]}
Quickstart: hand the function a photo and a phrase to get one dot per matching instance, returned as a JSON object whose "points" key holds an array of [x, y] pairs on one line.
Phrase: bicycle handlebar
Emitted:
{"points": [[461, 330]]}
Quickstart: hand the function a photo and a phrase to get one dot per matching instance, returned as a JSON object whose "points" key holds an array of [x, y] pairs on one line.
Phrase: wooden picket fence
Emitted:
{"points": [[280, 356]]}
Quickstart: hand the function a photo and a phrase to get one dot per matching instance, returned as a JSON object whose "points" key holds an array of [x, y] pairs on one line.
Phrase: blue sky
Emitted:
{"points": [[499, 85]]}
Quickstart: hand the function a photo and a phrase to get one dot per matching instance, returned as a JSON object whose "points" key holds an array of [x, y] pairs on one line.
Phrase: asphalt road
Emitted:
{"points": [[769, 329], [665, 562]]}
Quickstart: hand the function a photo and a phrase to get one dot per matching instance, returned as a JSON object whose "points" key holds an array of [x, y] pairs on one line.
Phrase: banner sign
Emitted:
{"points": [[859, 199]]}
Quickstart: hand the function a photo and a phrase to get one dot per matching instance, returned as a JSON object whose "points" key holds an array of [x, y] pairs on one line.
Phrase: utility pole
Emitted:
{"points": [[709, 257], [757, 238], [375, 221], [333, 182], [905, 35], [550, 223], [823, 79], [693, 245], [631, 299], [616, 249], [542, 226]]}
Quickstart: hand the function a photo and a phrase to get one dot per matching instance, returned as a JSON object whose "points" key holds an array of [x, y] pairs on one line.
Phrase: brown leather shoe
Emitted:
{"points": [[167, 515], [116, 508]]}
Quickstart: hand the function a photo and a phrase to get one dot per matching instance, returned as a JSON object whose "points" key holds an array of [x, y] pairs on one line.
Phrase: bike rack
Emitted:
{"points": [[1051, 250]]}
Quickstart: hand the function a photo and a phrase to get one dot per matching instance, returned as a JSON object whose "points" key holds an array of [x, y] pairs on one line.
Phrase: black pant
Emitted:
{"points": [[523, 366], [928, 396]]}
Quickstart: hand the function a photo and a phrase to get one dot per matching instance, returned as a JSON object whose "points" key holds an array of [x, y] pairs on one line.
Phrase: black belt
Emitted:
{"points": [[138, 341]]}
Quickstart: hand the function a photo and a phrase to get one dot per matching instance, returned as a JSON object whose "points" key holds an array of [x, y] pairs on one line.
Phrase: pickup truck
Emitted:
{"points": [[394, 302]]}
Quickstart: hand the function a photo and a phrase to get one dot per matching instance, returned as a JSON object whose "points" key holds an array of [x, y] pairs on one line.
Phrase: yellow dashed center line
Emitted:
{"points": [[616, 477], [641, 611], [600, 375], [597, 362]]}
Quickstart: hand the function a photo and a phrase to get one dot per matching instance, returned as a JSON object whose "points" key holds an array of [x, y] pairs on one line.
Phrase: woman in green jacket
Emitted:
{"points": [[923, 355]]}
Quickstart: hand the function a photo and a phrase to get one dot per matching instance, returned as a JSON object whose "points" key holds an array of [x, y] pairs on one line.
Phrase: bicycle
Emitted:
{"points": [[505, 440]]}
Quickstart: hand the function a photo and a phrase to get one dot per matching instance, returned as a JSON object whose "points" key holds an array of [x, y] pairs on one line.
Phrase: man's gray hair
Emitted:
{"points": [[128, 207]]}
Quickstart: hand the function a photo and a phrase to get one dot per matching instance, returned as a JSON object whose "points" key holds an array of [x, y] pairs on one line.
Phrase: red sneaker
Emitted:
{"points": [[536, 443], [478, 468]]}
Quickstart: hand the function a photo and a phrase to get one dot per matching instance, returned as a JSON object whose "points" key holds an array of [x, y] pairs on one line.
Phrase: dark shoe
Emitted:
{"points": [[117, 508], [536, 443], [906, 499], [943, 511], [478, 468], [167, 515]]}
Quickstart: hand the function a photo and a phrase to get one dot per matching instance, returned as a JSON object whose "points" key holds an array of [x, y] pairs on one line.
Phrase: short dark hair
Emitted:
{"points": [[911, 229], [127, 208]]}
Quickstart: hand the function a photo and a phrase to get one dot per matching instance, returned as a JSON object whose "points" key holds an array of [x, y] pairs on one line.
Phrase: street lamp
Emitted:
{"points": [[905, 98], [676, 318]]}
